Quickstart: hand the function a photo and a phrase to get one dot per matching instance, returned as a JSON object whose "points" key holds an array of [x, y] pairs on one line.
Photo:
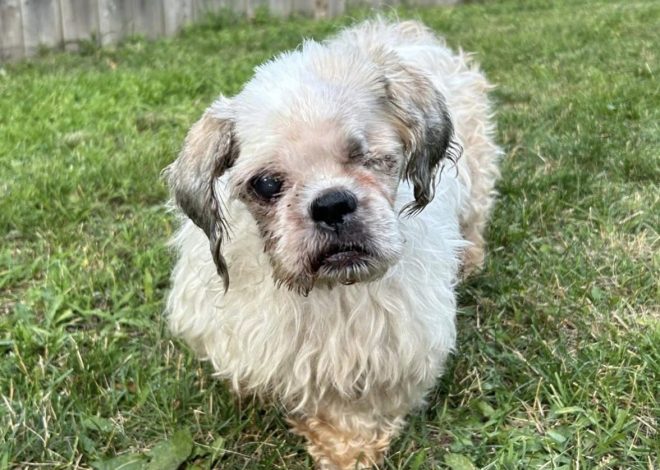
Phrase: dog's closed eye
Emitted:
{"points": [[357, 149]]}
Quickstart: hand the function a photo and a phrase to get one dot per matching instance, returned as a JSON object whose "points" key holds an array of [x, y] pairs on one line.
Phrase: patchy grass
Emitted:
{"points": [[558, 362]]}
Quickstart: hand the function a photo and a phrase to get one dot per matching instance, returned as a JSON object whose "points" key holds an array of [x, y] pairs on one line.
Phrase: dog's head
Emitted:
{"points": [[315, 148]]}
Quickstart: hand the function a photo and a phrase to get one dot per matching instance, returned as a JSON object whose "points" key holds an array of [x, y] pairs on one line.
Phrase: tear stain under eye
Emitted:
{"points": [[263, 217], [367, 180]]}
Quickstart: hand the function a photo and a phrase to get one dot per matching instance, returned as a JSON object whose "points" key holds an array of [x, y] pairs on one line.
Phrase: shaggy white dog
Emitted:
{"points": [[342, 191]]}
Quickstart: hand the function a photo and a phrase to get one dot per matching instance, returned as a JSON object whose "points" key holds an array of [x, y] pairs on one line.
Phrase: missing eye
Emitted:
{"points": [[357, 149], [267, 187], [385, 162], [356, 155]]}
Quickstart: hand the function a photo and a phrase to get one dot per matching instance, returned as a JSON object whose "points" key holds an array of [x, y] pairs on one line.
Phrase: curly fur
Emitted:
{"points": [[347, 356]]}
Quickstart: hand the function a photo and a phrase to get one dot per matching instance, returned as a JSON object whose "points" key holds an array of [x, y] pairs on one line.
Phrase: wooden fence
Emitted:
{"points": [[28, 25]]}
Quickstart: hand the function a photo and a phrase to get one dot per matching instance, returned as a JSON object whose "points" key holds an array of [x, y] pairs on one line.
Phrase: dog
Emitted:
{"points": [[329, 210]]}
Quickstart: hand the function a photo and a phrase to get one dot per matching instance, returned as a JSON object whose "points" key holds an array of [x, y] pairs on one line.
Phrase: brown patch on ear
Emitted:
{"points": [[422, 119], [208, 151]]}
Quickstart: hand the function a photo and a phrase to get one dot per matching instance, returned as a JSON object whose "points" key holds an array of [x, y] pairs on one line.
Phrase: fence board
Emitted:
{"points": [[147, 17], [242, 6], [328, 8], [251, 7], [42, 24], [11, 29], [304, 7], [176, 14], [335, 8], [115, 21], [280, 7], [80, 21], [202, 8], [25, 25], [237, 6]]}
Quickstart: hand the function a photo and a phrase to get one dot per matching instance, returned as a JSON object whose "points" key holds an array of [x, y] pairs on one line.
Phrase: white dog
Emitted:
{"points": [[342, 191]]}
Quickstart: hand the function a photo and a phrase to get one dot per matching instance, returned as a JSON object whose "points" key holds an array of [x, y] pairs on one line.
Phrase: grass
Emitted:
{"points": [[558, 364]]}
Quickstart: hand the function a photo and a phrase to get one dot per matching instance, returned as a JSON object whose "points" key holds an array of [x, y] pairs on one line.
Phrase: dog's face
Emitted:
{"points": [[317, 164], [322, 194]]}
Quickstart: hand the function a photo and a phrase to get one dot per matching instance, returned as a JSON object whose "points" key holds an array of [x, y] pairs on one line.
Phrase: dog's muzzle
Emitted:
{"points": [[345, 254]]}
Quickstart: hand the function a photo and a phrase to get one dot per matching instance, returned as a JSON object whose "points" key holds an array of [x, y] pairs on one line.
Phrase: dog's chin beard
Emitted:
{"points": [[356, 271]]}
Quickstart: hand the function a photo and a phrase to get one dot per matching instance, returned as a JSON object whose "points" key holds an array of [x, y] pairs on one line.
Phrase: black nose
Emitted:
{"points": [[333, 206]]}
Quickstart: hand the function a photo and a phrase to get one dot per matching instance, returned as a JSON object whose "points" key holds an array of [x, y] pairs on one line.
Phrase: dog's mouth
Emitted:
{"points": [[339, 263], [340, 258]]}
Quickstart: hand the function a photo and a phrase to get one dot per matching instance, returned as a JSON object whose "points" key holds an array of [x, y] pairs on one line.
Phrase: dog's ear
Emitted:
{"points": [[208, 151], [423, 122]]}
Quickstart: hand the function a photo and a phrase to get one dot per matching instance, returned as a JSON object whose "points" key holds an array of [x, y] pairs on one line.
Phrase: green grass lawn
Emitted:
{"points": [[558, 363]]}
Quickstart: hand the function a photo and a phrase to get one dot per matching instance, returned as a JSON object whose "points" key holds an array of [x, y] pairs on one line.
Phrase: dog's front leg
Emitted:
{"points": [[346, 443]]}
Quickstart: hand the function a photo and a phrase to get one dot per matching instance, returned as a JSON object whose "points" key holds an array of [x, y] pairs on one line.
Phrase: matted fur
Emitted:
{"points": [[381, 110]]}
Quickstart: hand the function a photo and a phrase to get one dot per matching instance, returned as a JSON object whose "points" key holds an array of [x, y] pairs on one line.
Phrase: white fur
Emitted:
{"points": [[383, 334], [370, 351]]}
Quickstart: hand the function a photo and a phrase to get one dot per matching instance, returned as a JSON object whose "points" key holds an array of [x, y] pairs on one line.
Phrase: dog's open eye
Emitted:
{"points": [[266, 186]]}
